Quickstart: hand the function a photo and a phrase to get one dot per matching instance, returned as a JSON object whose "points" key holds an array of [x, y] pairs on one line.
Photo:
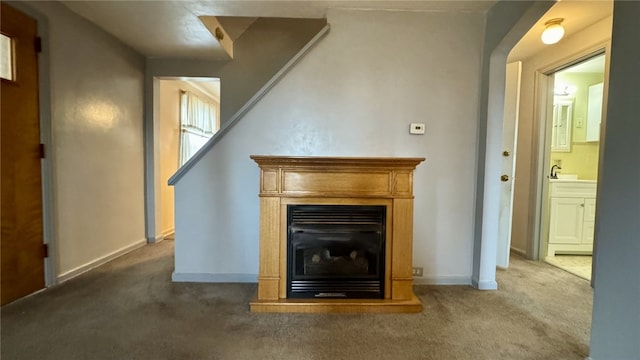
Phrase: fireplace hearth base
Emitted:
{"points": [[412, 305], [386, 182]]}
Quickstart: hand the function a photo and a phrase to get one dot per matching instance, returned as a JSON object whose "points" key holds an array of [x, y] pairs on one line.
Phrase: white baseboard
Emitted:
{"points": [[484, 285], [253, 278], [163, 235], [155, 240], [442, 280], [168, 233], [519, 252], [99, 261], [214, 278]]}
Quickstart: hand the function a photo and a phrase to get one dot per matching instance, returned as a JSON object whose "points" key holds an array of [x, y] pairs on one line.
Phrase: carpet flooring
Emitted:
{"points": [[130, 309]]}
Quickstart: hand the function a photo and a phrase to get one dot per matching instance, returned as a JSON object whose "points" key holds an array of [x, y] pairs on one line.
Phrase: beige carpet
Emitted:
{"points": [[579, 265], [129, 309]]}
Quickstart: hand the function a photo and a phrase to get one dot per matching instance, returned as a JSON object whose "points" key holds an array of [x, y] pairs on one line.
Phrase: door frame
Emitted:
{"points": [[46, 138], [543, 94]]}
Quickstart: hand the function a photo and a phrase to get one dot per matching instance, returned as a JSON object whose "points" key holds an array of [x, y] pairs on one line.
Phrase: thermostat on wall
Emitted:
{"points": [[416, 128]]}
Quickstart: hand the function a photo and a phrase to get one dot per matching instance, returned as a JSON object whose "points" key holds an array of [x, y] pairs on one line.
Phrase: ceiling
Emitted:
{"points": [[578, 14], [172, 29], [592, 65]]}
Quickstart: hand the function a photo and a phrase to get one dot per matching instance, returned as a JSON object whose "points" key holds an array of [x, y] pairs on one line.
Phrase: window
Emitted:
{"points": [[198, 122], [6, 58]]}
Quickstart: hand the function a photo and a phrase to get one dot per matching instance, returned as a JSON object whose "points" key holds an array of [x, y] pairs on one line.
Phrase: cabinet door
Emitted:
{"points": [[561, 125], [589, 221], [594, 112], [587, 232], [589, 210], [566, 220]]}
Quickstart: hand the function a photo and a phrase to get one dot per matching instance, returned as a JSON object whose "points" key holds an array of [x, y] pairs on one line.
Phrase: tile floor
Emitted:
{"points": [[579, 265]]}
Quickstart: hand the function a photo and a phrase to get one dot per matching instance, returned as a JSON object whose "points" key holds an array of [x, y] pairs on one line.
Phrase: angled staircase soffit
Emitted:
{"points": [[219, 33], [227, 29], [235, 26], [227, 125]]}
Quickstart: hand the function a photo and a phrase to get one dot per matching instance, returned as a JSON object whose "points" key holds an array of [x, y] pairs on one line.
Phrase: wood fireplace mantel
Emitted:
{"points": [[288, 180]]}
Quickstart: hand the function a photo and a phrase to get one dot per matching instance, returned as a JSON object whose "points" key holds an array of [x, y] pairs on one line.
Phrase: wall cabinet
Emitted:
{"points": [[594, 112], [561, 126], [571, 218]]}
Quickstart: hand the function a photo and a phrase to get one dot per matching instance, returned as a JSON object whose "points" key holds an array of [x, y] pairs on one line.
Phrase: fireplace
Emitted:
{"points": [[336, 235], [335, 251]]}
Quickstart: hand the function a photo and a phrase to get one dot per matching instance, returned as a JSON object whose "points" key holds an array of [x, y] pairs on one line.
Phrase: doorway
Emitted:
{"points": [[175, 142], [571, 157], [22, 244], [532, 161]]}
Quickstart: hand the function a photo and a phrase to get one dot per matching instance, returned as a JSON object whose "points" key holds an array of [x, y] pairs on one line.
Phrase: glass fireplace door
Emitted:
{"points": [[335, 251]]}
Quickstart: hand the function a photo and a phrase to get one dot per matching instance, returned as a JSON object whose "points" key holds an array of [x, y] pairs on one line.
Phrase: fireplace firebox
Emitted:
{"points": [[335, 251]]}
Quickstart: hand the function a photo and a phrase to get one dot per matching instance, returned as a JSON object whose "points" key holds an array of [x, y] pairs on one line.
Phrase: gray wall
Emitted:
{"points": [[259, 53], [615, 328], [354, 94], [95, 88], [506, 23]]}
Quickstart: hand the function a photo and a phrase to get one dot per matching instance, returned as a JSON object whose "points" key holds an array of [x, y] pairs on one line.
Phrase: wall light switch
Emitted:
{"points": [[416, 128]]}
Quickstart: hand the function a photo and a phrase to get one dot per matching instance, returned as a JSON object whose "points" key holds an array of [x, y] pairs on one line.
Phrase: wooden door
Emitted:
{"points": [[509, 146], [21, 202]]}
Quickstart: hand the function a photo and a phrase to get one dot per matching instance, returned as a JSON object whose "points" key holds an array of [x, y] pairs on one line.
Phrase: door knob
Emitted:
{"points": [[504, 178], [506, 153]]}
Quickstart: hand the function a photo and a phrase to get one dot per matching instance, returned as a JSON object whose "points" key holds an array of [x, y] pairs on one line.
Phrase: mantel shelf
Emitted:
{"points": [[337, 162]]}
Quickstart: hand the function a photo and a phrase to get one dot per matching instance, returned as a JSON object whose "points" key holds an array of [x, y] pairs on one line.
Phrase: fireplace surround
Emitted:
{"points": [[345, 183]]}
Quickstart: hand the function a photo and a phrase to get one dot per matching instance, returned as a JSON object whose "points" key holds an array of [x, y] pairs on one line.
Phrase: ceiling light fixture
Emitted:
{"points": [[553, 31]]}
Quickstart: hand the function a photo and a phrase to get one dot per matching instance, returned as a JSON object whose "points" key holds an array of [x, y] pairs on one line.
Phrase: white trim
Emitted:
{"points": [[442, 280], [155, 239], [253, 278], [520, 252], [485, 285], [214, 278], [100, 261], [541, 144], [168, 233]]}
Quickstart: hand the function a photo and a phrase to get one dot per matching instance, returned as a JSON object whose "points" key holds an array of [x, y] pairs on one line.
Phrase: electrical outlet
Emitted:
{"points": [[416, 129], [417, 271]]}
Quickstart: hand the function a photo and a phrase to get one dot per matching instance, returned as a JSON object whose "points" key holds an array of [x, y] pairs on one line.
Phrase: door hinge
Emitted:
{"points": [[41, 149], [45, 250], [37, 44]]}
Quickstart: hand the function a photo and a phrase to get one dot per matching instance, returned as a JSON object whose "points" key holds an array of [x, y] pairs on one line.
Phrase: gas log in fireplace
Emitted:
{"points": [[335, 251], [336, 234]]}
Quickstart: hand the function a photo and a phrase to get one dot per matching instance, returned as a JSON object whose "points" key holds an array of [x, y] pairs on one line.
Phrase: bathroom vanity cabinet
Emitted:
{"points": [[572, 216]]}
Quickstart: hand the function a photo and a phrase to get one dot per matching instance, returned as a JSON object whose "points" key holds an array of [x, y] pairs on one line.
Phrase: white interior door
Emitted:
{"points": [[509, 132]]}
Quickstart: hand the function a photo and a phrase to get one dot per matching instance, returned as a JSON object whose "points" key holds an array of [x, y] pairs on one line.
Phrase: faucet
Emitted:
{"points": [[554, 174]]}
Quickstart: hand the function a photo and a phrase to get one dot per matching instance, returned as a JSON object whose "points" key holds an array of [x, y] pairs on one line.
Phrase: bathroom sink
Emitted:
{"points": [[571, 180], [567, 176]]}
